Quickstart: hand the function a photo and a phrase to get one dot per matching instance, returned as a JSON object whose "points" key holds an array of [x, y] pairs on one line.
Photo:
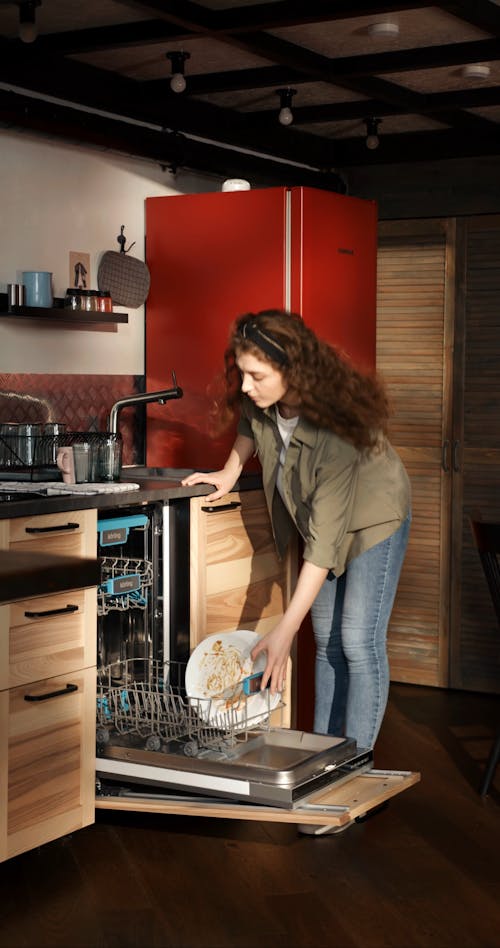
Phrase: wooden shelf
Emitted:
{"points": [[58, 315]]}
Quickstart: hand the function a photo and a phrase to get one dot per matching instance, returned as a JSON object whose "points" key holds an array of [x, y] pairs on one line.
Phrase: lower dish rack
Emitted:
{"points": [[145, 700]]}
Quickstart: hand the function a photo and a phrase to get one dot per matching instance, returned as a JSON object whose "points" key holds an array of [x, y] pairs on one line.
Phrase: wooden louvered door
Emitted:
{"points": [[475, 637], [415, 307]]}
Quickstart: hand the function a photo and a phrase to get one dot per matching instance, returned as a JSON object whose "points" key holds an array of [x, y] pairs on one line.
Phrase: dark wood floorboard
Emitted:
{"points": [[424, 873]]}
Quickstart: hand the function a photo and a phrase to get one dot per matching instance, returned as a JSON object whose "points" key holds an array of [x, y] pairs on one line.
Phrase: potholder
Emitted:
{"points": [[127, 278]]}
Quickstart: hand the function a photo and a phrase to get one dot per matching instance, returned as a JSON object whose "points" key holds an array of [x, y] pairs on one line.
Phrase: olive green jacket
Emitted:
{"points": [[342, 501]]}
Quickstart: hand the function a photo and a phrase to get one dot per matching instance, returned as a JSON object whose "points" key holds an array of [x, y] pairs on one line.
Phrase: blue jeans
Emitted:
{"points": [[350, 616]]}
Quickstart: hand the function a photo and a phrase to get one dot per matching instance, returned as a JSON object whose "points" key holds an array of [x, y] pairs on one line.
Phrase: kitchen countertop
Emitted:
{"points": [[150, 490], [24, 575]]}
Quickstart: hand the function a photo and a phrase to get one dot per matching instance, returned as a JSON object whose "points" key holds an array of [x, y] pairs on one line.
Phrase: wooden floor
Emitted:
{"points": [[424, 872]]}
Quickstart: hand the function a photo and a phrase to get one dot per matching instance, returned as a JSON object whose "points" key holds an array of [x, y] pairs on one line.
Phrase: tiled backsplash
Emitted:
{"points": [[82, 402]]}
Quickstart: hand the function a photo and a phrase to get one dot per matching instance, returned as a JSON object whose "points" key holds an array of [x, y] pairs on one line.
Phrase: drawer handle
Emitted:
{"points": [[52, 694], [51, 612], [233, 506], [64, 526]]}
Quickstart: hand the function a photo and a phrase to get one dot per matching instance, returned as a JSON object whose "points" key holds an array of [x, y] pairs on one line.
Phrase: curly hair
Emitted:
{"points": [[332, 393]]}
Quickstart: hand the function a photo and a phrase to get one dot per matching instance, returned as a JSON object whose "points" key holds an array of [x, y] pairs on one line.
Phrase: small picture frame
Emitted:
{"points": [[79, 270]]}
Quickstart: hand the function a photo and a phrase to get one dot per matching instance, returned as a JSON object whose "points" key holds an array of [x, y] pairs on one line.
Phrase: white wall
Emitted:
{"points": [[57, 197]]}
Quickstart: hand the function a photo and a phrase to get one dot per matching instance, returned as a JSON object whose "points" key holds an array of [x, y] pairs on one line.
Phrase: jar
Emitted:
{"points": [[104, 301], [94, 301], [73, 298], [84, 294]]}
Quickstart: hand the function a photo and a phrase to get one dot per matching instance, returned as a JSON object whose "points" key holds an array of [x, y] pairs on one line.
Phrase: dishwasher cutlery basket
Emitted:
{"points": [[32, 457], [146, 699]]}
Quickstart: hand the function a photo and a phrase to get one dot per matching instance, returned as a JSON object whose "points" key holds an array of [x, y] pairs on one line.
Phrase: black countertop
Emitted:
{"points": [[150, 490], [24, 575]]}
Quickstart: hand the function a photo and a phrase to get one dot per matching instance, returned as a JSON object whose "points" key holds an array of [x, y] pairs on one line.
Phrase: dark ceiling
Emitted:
{"points": [[98, 72]]}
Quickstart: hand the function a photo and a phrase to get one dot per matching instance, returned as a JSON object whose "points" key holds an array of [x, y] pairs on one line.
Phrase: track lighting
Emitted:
{"points": [[285, 116], [372, 139], [178, 82], [27, 20]]}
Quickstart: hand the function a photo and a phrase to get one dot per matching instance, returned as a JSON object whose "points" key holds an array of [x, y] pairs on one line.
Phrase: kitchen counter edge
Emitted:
{"points": [[149, 492]]}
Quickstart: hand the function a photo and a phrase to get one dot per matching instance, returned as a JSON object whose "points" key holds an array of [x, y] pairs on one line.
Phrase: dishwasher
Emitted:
{"points": [[161, 749]]}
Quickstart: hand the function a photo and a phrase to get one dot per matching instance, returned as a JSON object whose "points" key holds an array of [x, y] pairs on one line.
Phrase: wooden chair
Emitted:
{"points": [[487, 540]]}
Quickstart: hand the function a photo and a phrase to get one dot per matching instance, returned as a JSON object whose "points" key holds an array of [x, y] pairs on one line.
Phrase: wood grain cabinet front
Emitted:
{"points": [[236, 578], [65, 534], [47, 691], [47, 738]]}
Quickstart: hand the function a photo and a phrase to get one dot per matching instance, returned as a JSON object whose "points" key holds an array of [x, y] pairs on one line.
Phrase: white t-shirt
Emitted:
{"points": [[286, 427]]}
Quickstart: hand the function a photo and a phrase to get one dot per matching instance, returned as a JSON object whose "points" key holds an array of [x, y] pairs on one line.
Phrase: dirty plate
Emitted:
{"points": [[215, 668]]}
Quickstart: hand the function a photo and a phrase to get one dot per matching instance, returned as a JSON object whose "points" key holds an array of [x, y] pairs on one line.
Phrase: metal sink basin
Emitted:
{"points": [[138, 472]]}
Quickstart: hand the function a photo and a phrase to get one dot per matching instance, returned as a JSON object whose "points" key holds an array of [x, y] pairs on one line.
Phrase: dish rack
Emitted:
{"points": [[124, 584], [146, 699], [32, 457]]}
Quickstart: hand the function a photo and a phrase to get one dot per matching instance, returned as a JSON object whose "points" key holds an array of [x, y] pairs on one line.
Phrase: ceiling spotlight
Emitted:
{"points": [[285, 116], [385, 28], [177, 82], [476, 71], [372, 139], [27, 20]]}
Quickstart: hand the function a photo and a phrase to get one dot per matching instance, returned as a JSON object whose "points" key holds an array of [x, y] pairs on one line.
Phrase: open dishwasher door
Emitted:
{"points": [[156, 752]]}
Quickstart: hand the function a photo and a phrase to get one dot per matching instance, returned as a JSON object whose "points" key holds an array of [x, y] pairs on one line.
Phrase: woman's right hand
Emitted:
{"points": [[223, 481]]}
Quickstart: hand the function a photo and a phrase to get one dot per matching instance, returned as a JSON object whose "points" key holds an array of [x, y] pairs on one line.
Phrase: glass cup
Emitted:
{"points": [[29, 444], [81, 462], [109, 460], [9, 444], [52, 430]]}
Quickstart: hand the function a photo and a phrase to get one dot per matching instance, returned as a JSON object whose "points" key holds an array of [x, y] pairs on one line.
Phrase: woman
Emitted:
{"points": [[319, 429]]}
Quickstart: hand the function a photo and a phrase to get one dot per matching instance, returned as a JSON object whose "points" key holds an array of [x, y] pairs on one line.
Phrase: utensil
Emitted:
{"points": [[251, 685]]}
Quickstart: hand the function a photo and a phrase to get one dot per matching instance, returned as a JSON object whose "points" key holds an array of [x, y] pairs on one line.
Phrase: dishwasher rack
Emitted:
{"points": [[124, 584], [146, 698]]}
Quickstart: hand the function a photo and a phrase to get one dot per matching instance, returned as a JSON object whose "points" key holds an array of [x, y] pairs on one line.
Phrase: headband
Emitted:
{"points": [[265, 341]]}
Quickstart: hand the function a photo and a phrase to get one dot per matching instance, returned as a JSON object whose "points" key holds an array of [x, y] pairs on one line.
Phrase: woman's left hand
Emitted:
{"points": [[277, 645]]}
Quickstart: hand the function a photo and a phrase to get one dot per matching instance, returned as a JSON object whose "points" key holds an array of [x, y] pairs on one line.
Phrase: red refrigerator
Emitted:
{"points": [[214, 256]]}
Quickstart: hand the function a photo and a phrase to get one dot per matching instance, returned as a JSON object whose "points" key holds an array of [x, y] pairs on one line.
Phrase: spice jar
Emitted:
{"points": [[104, 301], [73, 298]]}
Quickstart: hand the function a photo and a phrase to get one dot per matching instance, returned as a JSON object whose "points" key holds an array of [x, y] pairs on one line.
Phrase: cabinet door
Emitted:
{"points": [[415, 310], [48, 743], [475, 638], [47, 636], [65, 534], [236, 578]]}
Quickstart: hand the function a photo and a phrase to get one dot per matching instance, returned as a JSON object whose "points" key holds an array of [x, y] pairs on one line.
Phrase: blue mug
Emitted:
{"points": [[38, 288]]}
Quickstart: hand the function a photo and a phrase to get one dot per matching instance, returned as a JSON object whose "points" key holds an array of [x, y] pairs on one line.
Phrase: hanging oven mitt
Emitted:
{"points": [[126, 278]]}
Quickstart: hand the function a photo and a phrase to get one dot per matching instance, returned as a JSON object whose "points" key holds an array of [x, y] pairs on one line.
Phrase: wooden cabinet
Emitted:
{"points": [[47, 693], [438, 347], [236, 578], [64, 534]]}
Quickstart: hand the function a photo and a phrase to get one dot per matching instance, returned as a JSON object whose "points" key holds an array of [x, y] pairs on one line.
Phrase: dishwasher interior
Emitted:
{"points": [[151, 736]]}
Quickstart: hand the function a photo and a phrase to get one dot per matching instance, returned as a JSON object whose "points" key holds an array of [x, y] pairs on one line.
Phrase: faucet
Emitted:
{"points": [[143, 399]]}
